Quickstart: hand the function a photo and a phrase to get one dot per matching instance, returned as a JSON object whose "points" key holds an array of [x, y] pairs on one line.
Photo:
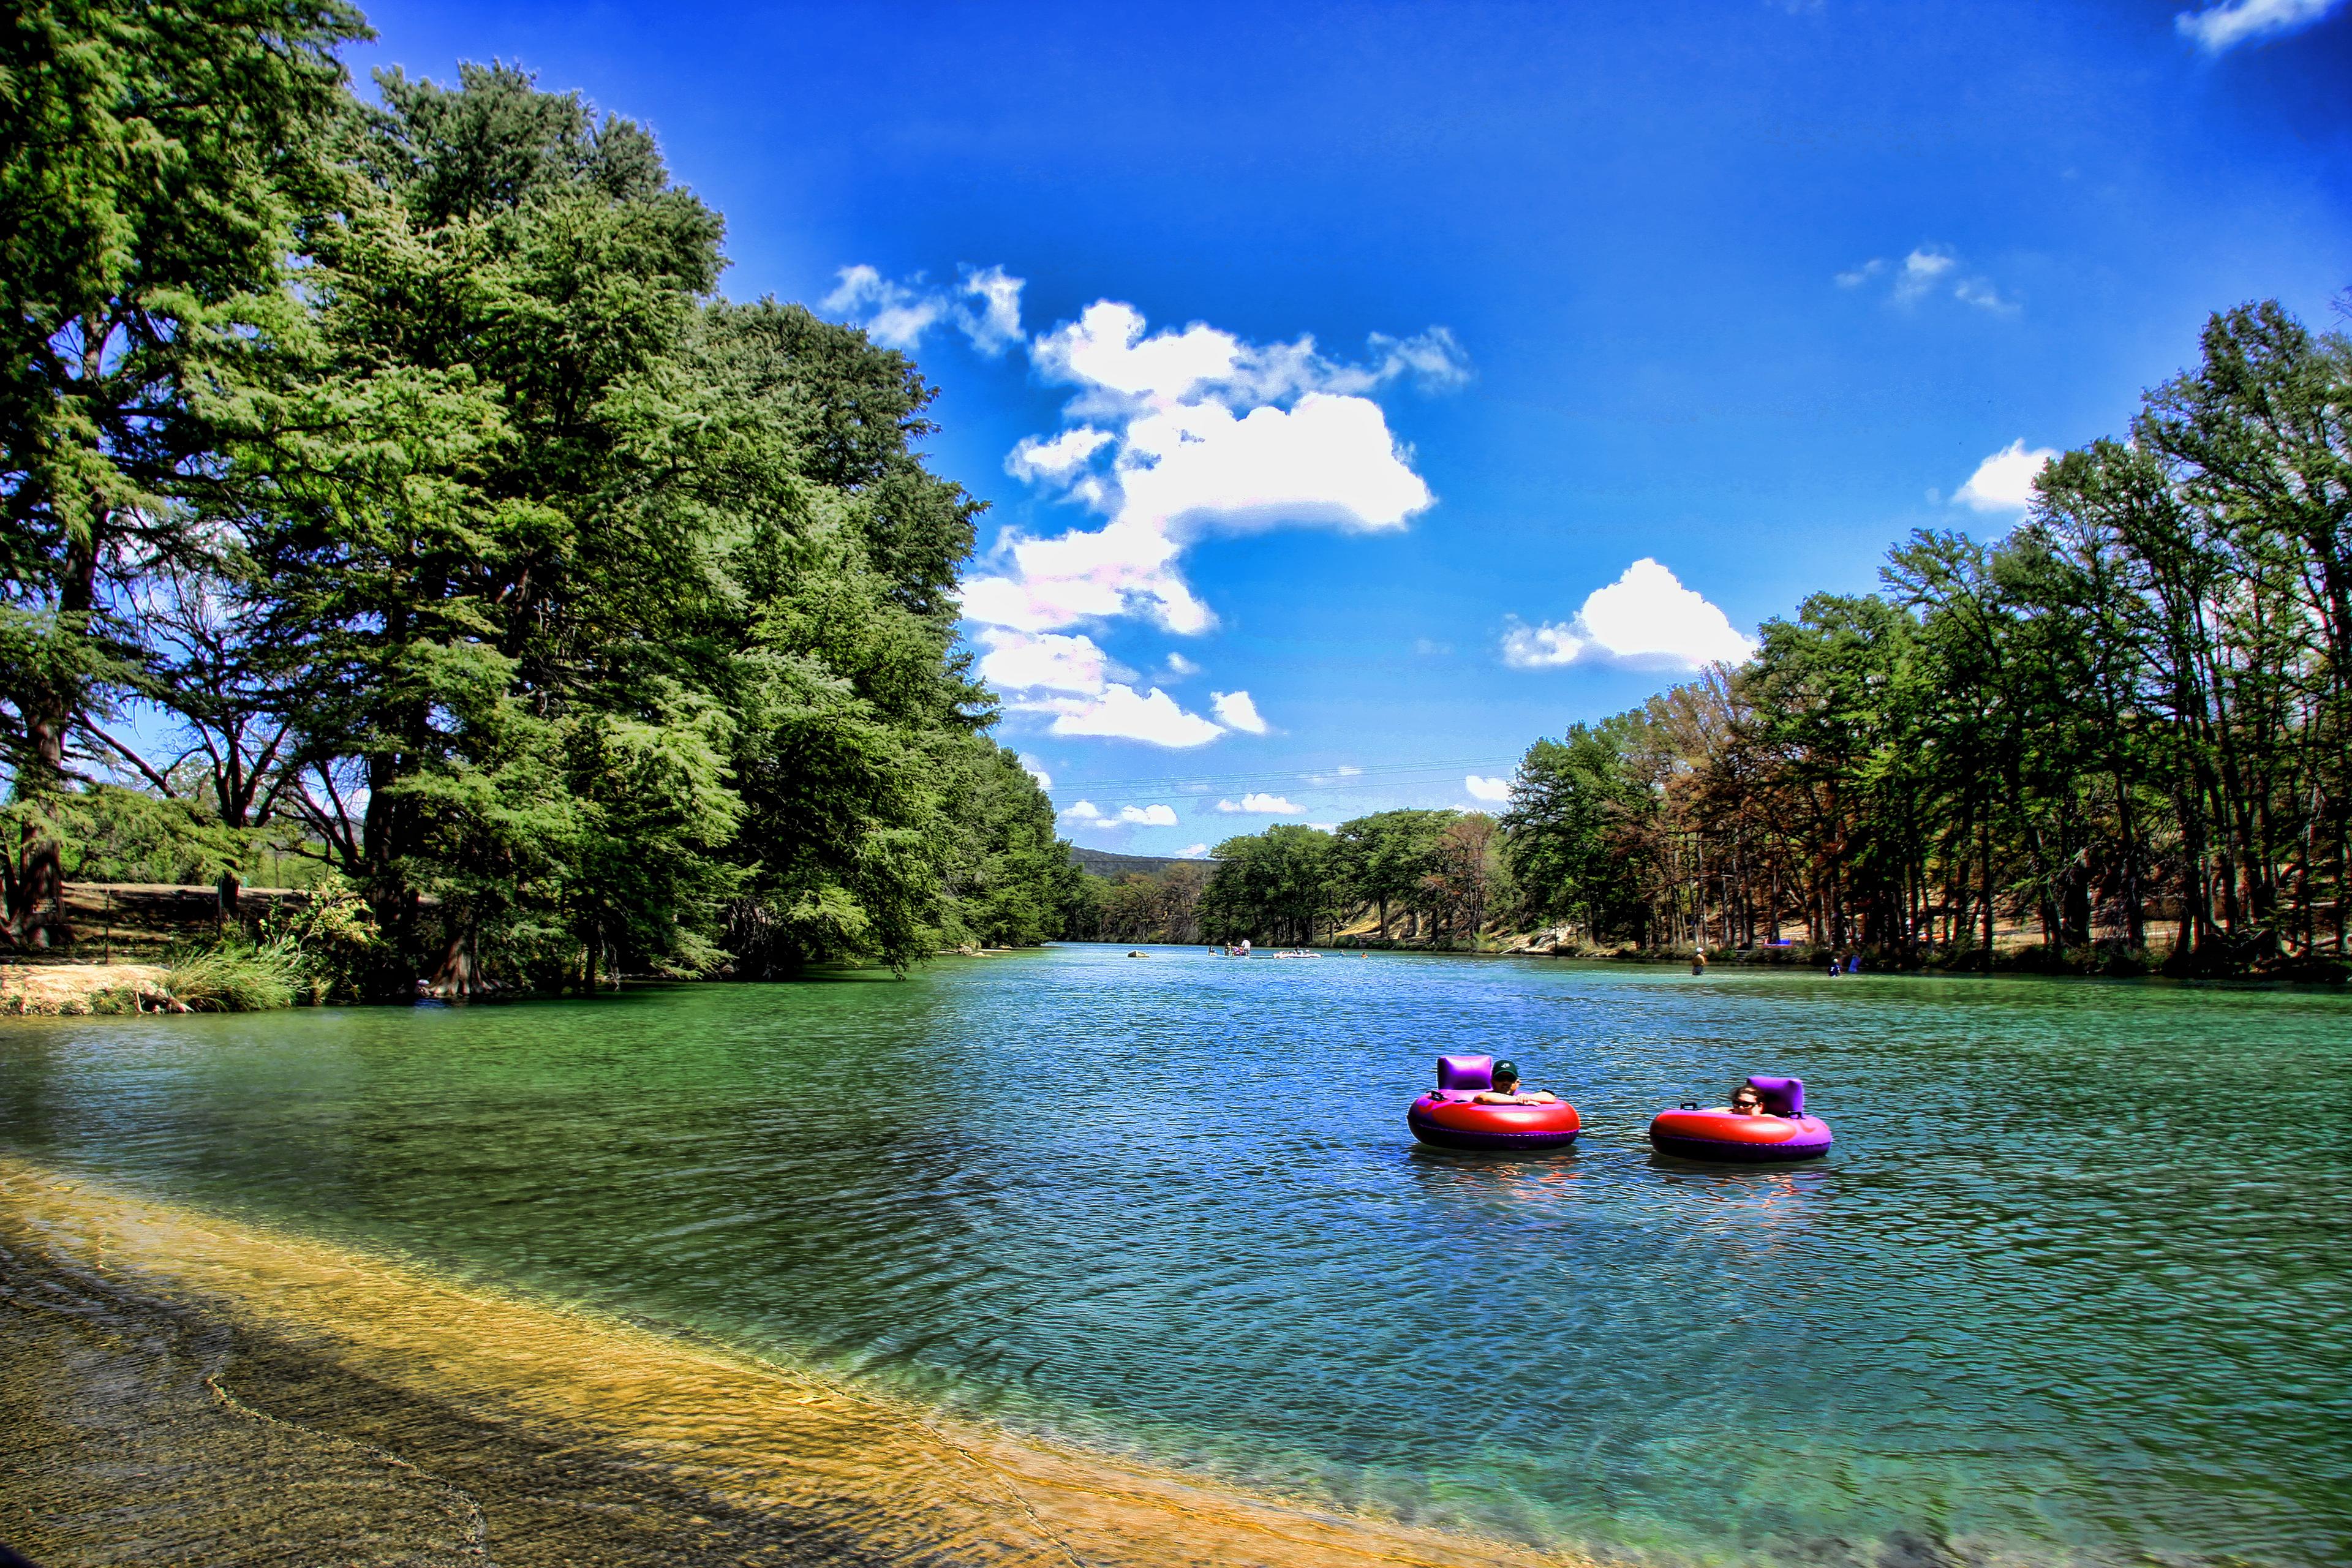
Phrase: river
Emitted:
{"points": [[2071, 1288]]}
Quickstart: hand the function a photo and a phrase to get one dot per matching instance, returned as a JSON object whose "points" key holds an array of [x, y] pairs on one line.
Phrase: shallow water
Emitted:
{"points": [[2071, 1286]]}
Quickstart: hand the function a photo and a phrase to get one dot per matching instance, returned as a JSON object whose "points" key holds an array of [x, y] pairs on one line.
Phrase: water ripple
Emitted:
{"points": [[2070, 1287]]}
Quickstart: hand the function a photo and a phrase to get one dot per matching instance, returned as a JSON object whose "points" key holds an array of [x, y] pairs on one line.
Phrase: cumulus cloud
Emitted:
{"points": [[1258, 803], [1018, 662], [1487, 789], [1193, 852], [1234, 711], [1167, 436], [1086, 813], [2004, 481], [1121, 713], [1081, 690], [1057, 459], [2218, 28], [1036, 770], [1930, 270], [1173, 435], [984, 303], [1645, 618]]}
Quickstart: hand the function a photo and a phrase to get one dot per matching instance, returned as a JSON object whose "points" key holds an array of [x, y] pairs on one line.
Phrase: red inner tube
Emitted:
{"points": [[1722, 1127], [1718, 1134], [1459, 1124]]}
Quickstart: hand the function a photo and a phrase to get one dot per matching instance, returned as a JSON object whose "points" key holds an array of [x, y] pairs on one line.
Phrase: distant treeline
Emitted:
{"points": [[1436, 876], [407, 462], [2128, 725]]}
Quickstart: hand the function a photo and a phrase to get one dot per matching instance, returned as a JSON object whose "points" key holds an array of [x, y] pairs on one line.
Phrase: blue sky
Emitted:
{"points": [[1630, 325]]}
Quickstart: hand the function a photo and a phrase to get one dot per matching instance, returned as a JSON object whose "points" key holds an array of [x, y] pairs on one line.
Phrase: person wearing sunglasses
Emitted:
{"points": [[1746, 1101], [1507, 1089]]}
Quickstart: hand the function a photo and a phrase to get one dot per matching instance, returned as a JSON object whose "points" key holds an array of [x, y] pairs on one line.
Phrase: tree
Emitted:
{"points": [[1578, 828], [1382, 858], [154, 160], [1469, 874], [1278, 885]]}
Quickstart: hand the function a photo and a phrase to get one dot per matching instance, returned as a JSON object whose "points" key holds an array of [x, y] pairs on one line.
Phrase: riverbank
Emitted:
{"points": [[75, 990], [177, 1387]]}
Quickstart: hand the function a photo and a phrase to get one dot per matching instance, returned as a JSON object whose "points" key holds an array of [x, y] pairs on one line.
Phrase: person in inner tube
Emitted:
{"points": [[1746, 1100], [1507, 1089]]}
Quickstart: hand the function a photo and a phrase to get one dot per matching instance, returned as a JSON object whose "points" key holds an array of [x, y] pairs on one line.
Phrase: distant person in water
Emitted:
{"points": [[1506, 1091], [1746, 1101]]}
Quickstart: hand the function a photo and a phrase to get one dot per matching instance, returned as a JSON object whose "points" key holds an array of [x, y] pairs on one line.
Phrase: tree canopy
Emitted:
{"points": [[405, 456]]}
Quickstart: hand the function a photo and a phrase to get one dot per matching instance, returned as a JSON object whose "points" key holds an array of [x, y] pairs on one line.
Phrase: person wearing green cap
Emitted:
{"points": [[1507, 1089]]}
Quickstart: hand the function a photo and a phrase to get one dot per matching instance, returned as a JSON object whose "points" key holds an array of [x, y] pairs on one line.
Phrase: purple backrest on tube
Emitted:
{"points": [[1782, 1096], [1469, 1074]]}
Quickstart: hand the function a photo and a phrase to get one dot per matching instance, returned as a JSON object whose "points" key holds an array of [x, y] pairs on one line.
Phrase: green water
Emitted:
{"points": [[2072, 1288]]}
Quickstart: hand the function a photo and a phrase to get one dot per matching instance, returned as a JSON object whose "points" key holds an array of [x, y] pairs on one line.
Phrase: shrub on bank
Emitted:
{"points": [[238, 978]]}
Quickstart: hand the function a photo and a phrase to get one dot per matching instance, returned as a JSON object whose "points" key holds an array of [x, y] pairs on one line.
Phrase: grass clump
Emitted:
{"points": [[239, 979]]}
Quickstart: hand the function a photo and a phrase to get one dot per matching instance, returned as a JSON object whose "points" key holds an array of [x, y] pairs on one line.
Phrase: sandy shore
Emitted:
{"points": [[179, 1388]]}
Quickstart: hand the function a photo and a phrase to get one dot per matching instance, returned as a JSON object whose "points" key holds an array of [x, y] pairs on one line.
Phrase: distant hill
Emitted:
{"points": [[1103, 863]]}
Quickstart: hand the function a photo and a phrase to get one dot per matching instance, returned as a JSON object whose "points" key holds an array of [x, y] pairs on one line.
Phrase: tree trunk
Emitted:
{"points": [[455, 977], [36, 883]]}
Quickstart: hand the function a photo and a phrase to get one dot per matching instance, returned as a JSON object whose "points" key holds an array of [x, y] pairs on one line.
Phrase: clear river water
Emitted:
{"points": [[2073, 1286]]}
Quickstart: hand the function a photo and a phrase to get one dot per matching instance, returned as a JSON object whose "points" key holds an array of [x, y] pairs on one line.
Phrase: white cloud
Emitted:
{"points": [[985, 304], [1234, 711], [1083, 689], [1178, 665], [1085, 816], [1036, 770], [1344, 770], [1981, 293], [1646, 618], [1119, 712], [1435, 359], [1920, 270], [1487, 789], [1182, 432], [1036, 457], [990, 313], [1030, 661], [1086, 813], [2221, 27], [1928, 269], [2004, 481], [1193, 852], [895, 315], [1258, 803]]}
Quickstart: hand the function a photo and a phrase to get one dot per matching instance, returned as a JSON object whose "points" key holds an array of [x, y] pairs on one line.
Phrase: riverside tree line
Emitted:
{"points": [[2128, 726], [394, 485]]}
